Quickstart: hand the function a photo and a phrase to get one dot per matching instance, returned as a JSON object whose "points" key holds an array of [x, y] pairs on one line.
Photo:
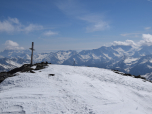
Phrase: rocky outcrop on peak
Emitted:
{"points": [[23, 68]]}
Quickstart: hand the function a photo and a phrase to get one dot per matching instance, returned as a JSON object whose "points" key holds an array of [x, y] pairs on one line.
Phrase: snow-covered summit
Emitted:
{"points": [[74, 90]]}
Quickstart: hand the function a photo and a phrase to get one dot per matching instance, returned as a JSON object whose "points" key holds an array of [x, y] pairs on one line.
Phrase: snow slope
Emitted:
{"points": [[74, 90]]}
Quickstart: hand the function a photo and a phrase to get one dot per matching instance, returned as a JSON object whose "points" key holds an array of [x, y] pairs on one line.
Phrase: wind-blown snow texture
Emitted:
{"points": [[75, 90]]}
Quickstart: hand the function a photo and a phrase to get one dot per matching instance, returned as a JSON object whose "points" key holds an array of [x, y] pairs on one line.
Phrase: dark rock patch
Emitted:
{"points": [[51, 74], [138, 76], [40, 66], [125, 74], [32, 71], [23, 68]]}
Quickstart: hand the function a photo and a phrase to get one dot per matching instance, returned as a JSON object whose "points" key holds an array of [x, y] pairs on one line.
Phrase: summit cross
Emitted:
{"points": [[32, 53]]}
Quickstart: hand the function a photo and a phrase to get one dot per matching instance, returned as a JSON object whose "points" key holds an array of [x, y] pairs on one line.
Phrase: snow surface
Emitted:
{"points": [[130, 60], [7, 66], [144, 61], [40, 57], [107, 56], [150, 60], [74, 90], [95, 56], [85, 57], [13, 63], [63, 55], [148, 76], [150, 67]]}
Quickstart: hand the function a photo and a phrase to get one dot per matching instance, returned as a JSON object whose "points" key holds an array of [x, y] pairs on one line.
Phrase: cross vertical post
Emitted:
{"points": [[74, 63], [32, 53]]}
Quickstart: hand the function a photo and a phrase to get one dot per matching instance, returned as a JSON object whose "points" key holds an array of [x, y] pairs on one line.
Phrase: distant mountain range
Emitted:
{"points": [[7, 64], [136, 61]]}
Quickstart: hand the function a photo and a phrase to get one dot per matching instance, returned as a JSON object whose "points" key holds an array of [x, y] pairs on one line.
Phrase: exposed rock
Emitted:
{"points": [[124, 74], [32, 71], [41, 65], [23, 68], [4, 75], [51, 74]]}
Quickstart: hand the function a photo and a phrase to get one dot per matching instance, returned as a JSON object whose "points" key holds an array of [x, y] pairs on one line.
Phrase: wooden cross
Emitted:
{"points": [[32, 53]]}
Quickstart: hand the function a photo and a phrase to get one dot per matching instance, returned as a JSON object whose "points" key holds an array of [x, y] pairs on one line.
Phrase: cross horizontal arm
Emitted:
{"points": [[32, 49]]}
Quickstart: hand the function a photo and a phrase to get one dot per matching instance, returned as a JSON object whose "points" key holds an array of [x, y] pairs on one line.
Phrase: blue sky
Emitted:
{"points": [[74, 24]]}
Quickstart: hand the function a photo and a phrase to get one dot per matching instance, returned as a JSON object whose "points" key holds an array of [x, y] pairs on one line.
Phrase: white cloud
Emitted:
{"points": [[131, 34], [14, 20], [95, 22], [6, 26], [147, 28], [149, 0], [13, 25], [12, 45], [50, 33], [146, 40], [33, 27], [99, 26], [126, 43]]}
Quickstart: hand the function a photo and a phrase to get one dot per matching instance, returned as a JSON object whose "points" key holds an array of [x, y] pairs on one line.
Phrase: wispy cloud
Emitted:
{"points": [[12, 45], [7, 26], [50, 33], [14, 20], [131, 34], [147, 28], [95, 22], [13, 25], [32, 27], [149, 0]]}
